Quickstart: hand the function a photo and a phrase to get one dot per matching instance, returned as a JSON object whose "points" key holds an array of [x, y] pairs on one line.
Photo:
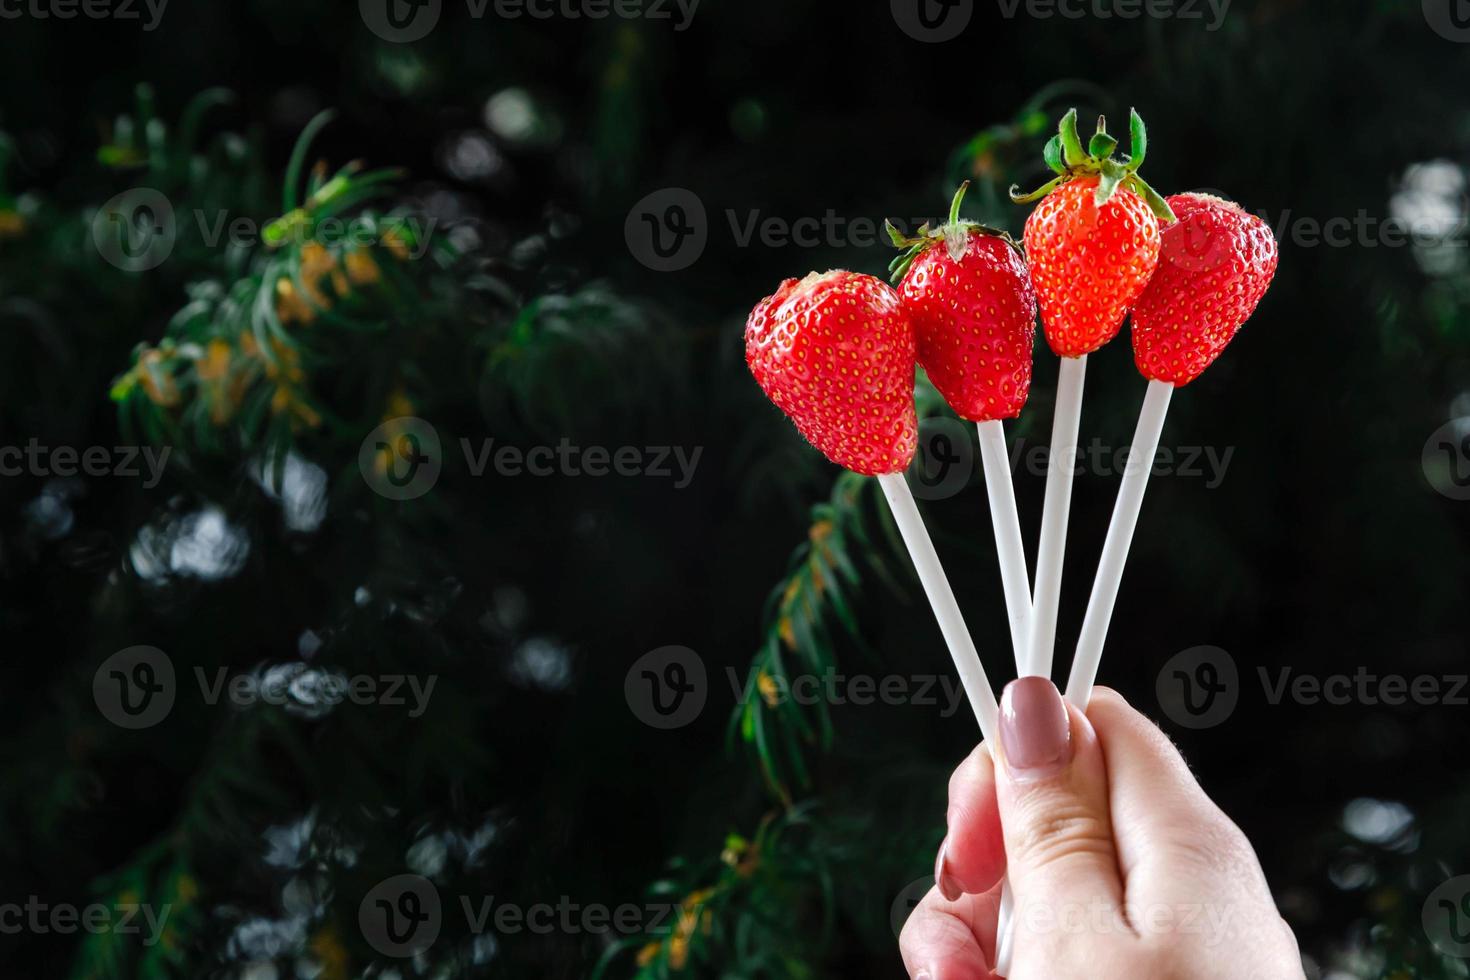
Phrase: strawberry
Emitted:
{"points": [[1217, 261], [967, 291], [1093, 241], [835, 352]]}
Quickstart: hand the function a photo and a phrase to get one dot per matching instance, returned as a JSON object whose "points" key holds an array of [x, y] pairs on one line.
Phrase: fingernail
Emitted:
{"points": [[946, 883], [1035, 732]]}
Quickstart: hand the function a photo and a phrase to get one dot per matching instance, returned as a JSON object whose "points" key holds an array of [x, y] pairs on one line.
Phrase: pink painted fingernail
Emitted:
{"points": [[1035, 731], [948, 886]]}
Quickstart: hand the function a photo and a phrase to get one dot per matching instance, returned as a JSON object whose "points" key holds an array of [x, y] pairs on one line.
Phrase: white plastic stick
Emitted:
{"points": [[1050, 552], [947, 611], [1011, 551], [1061, 460], [941, 598], [1115, 547], [1007, 526]]}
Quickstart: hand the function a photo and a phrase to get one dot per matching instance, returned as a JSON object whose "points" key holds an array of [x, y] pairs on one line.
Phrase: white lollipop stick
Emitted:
{"points": [[1007, 526], [1061, 458], [1017, 585], [941, 598], [1115, 547], [947, 611], [1012, 553], [1041, 630]]}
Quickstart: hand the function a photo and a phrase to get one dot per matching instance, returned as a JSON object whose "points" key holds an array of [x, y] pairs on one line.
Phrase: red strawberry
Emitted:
{"points": [[835, 352], [1217, 262], [968, 293], [1093, 242]]}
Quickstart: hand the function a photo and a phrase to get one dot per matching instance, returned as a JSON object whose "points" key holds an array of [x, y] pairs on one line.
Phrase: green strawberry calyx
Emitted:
{"points": [[1065, 154], [954, 234]]}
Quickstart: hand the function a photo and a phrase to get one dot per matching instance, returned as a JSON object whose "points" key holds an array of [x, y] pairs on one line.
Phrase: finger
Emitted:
{"points": [[973, 856], [1053, 796], [944, 940], [1173, 841]]}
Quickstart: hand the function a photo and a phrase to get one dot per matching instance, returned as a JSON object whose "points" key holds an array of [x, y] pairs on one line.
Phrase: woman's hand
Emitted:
{"points": [[1121, 866]]}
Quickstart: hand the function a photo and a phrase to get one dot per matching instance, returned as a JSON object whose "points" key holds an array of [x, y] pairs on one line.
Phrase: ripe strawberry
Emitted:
{"points": [[967, 291], [1093, 241], [835, 352], [1217, 262]]}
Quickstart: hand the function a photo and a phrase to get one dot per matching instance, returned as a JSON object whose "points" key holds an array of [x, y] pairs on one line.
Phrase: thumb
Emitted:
{"points": [[1052, 788]]}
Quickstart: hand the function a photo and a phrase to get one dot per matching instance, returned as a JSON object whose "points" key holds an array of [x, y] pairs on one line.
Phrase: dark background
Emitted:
{"points": [[1325, 548]]}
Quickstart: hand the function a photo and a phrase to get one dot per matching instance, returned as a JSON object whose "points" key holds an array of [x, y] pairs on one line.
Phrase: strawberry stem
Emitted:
{"points": [[954, 207], [953, 234], [1065, 155]]}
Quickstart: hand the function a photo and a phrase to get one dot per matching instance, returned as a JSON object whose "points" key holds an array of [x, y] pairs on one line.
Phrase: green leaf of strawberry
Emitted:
{"points": [[1093, 241]]}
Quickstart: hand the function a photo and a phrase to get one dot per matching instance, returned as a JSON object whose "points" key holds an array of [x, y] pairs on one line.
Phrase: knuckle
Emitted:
{"points": [[1216, 846], [932, 931], [1057, 833]]}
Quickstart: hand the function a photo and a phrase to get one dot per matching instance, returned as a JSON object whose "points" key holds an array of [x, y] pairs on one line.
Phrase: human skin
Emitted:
{"points": [[1121, 866]]}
